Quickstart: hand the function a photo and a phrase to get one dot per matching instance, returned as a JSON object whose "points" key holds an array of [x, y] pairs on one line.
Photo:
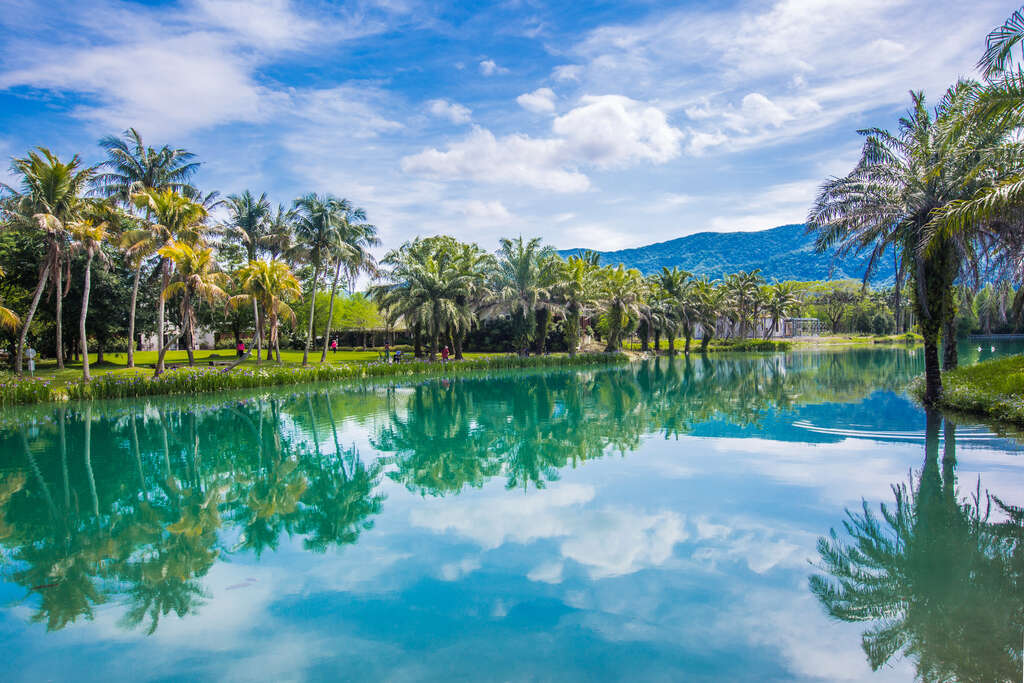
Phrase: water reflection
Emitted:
{"points": [[134, 504], [939, 577]]}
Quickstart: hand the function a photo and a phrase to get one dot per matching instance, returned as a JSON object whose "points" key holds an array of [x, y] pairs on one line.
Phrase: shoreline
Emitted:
{"points": [[992, 390]]}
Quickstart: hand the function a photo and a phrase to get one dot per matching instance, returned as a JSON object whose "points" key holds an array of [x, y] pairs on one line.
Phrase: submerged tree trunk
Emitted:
{"points": [[81, 318], [20, 356]]}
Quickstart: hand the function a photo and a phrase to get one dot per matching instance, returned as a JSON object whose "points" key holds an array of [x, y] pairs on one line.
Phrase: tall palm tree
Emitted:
{"points": [[673, 284], [901, 183], [89, 235], [710, 302], [521, 285], [132, 167], [622, 290], [350, 251], [745, 290], [248, 221], [317, 220], [280, 239], [171, 218], [197, 278], [272, 285], [50, 197]]}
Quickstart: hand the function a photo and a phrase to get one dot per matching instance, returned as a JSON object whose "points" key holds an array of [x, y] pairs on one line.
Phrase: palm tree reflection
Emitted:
{"points": [[939, 581]]}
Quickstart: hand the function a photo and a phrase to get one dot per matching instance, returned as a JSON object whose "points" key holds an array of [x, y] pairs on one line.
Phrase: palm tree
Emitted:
{"points": [[900, 185], [49, 199], [745, 290], [271, 285], [89, 236], [248, 221], [710, 301], [350, 250], [132, 167], [522, 284], [280, 239], [317, 220], [673, 285], [9, 320], [171, 218], [576, 290], [622, 290], [781, 301], [197, 278]]}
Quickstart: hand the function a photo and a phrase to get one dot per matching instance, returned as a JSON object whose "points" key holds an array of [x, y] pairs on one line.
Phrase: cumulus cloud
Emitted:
{"points": [[612, 130], [603, 131], [453, 111], [488, 67], [540, 101], [567, 72]]}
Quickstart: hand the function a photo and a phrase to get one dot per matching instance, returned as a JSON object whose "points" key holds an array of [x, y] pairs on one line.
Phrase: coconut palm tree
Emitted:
{"points": [[197, 278], [271, 285], [88, 235], [50, 197], [248, 221], [280, 239], [132, 167], [901, 184], [350, 251], [170, 218], [673, 285], [317, 221], [622, 292], [521, 285], [710, 303]]}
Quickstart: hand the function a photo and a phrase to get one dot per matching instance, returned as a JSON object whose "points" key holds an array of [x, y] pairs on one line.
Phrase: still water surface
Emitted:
{"points": [[654, 522]]}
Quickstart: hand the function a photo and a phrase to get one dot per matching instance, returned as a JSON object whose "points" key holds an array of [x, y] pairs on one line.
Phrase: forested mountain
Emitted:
{"points": [[783, 253]]}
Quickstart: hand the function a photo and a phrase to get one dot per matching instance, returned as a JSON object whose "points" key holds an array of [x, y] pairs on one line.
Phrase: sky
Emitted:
{"points": [[591, 124]]}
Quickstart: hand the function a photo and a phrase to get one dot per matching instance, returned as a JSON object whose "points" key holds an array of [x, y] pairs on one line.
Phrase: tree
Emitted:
{"points": [[197, 279], [622, 289], [132, 167], [317, 220], [350, 250], [272, 285], [171, 218], [51, 197], [672, 284], [521, 285], [901, 183], [782, 300], [89, 236], [576, 290], [248, 221], [8, 319]]}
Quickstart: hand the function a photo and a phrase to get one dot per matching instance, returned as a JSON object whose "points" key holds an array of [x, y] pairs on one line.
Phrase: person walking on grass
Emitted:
{"points": [[387, 352], [334, 345], [444, 355], [240, 348]]}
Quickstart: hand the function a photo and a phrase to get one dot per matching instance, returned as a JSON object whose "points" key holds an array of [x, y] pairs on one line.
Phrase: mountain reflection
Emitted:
{"points": [[939, 578], [133, 504]]}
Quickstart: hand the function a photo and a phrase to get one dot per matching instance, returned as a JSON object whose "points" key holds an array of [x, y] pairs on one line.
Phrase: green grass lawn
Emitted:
{"points": [[116, 363], [993, 388]]}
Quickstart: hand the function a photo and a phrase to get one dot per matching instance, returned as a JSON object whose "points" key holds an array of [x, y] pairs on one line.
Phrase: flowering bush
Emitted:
{"points": [[16, 390]]}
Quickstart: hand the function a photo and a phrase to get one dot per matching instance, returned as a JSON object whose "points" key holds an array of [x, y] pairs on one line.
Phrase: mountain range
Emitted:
{"points": [[782, 253]]}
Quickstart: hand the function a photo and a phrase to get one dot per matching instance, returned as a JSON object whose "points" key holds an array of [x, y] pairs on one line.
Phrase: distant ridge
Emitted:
{"points": [[782, 253]]}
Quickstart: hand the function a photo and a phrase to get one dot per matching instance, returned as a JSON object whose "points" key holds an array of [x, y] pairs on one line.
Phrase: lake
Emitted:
{"points": [[658, 521]]}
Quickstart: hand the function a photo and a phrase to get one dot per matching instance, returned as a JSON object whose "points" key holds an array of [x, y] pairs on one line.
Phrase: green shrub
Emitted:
{"points": [[994, 388], [750, 345]]}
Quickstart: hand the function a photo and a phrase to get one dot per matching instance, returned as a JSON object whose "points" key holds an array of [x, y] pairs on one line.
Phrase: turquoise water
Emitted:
{"points": [[653, 522]]}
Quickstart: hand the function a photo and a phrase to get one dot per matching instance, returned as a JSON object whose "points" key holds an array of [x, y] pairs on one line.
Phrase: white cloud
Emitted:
{"points": [[488, 67], [540, 101], [513, 159], [612, 130], [453, 111], [479, 210], [567, 72]]}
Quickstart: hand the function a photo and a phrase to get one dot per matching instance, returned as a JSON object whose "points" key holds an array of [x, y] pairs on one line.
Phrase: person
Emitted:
{"points": [[240, 349], [30, 353], [387, 352], [334, 345], [444, 354], [398, 355]]}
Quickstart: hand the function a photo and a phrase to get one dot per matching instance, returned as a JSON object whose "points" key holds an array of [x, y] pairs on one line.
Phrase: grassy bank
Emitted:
{"points": [[204, 379], [993, 389]]}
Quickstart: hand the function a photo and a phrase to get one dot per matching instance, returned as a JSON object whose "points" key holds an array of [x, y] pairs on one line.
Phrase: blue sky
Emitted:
{"points": [[605, 125]]}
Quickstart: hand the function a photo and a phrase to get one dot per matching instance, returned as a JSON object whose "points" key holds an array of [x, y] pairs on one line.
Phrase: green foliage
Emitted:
{"points": [[21, 390], [993, 388]]}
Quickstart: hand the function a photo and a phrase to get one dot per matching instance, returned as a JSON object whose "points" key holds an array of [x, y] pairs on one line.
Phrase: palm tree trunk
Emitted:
{"points": [[131, 314], [59, 315], [85, 311], [312, 311], [20, 357], [330, 311], [190, 337], [897, 304], [950, 356], [259, 330], [672, 344], [161, 346]]}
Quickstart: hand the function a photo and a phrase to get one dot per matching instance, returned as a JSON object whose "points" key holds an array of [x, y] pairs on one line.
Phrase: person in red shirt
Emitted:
{"points": [[444, 355], [240, 349]]}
